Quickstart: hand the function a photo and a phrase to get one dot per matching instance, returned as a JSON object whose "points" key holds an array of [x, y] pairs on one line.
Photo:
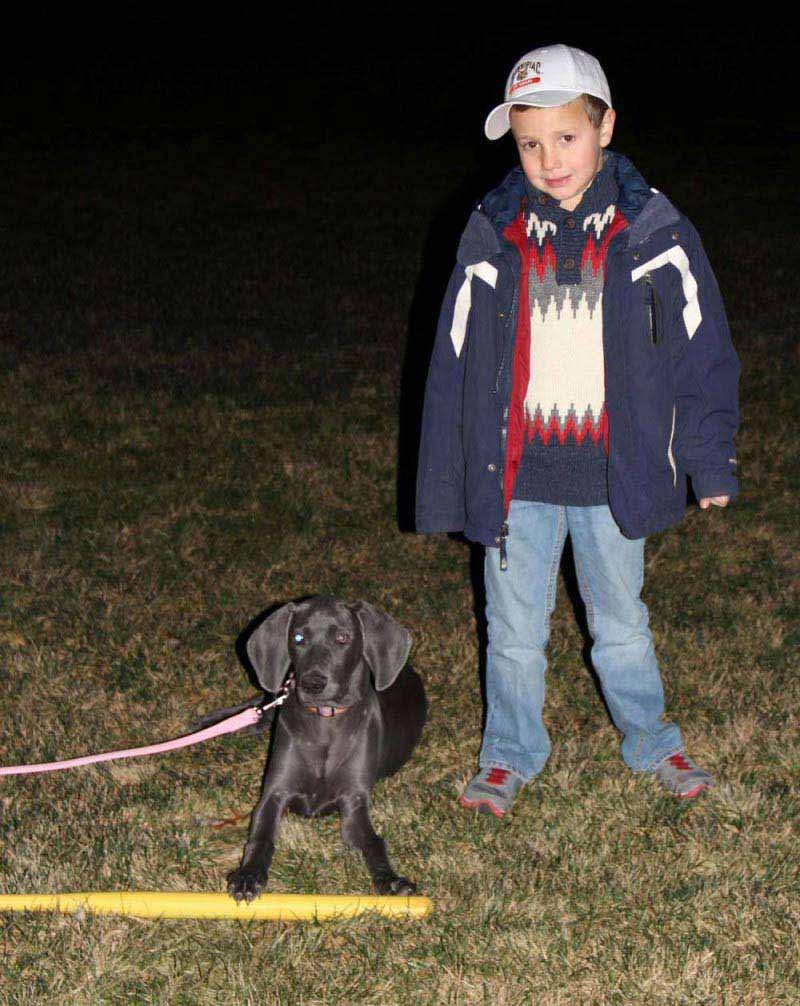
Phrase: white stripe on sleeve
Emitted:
{"points": [[458, 329]]}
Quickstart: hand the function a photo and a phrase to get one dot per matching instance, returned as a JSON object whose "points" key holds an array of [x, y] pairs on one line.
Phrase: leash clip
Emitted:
{"points": [[283, 695]]}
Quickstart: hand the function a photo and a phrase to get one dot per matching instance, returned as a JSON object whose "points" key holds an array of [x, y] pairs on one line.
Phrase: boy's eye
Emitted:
{"points": [[299, 637], [568, 137]]}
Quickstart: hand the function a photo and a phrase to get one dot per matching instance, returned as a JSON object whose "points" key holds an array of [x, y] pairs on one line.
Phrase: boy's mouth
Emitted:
{"points": [[557, 182]]}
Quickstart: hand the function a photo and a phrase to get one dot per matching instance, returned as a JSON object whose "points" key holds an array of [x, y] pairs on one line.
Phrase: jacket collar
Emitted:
{"points": [[645, 209]]}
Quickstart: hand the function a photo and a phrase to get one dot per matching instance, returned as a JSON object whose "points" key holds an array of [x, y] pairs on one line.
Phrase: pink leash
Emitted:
{"points": [[227, 726]]}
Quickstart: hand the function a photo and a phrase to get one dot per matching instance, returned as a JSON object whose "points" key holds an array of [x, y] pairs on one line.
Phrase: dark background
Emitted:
{"points": [[394, 70]]}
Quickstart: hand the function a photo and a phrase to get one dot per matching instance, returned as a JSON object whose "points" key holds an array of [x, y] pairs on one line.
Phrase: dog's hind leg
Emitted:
{"points": [[358, 833], [250, 877]]}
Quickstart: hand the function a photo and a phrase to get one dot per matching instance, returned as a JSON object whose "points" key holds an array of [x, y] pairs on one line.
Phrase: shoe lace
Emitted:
{"points": [[497, 776], [679, 761]]}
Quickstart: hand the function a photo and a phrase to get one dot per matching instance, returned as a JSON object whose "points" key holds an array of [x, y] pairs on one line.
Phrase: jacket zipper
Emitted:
{"points": [[510, 324], [503, 556], [504, 528], [507, 319]]}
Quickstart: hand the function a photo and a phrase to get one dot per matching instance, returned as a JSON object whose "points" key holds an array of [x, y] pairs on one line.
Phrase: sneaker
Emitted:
{"points": [[492, 791], [681, 776]]}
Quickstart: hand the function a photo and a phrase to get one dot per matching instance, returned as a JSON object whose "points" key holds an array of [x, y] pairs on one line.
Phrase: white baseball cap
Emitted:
{"points": [[544, 78]]}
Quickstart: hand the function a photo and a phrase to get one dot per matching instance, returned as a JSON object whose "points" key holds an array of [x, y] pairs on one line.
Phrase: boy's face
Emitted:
{"points": [[559, 148]]}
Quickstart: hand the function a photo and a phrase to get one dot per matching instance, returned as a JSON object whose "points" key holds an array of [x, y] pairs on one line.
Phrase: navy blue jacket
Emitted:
{"points": [[671, 373]]}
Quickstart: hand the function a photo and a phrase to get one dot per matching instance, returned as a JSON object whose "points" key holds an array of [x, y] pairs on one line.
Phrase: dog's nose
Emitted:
{"points": [[313, 682]]}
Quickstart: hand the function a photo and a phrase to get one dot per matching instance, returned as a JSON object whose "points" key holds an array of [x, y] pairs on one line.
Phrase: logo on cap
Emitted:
{"points": [[527, 73]]}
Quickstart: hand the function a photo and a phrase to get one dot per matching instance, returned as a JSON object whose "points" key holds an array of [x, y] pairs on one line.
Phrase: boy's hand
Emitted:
{"points": [[708, 501]]}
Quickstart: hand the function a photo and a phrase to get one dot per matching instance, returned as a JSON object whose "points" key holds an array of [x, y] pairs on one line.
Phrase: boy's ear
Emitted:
{"points": [[607, 126]]}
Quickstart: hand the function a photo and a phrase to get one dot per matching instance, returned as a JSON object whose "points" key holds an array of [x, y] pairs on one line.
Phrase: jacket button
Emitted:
{"points": [[492, 467], [569, 223], [497, 540], [674, 235], [569, 263], [636, 256], [542, 200]]}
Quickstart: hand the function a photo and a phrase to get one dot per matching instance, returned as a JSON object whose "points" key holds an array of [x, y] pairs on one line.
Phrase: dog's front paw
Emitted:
{"points": [[246, 882], [396, 885]]}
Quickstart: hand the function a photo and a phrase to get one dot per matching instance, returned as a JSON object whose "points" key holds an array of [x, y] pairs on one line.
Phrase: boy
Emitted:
{"points": [[582, 369]]}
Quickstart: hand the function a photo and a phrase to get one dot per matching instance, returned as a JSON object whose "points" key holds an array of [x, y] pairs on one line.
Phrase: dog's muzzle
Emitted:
{"points": [[313, 682]]}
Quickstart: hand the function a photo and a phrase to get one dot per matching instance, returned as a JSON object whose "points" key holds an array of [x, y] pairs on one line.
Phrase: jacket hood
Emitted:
{"points": [[645, 209]]}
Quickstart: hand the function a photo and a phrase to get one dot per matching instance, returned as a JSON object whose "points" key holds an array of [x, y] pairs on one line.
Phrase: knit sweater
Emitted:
{"points": [[564, 458]]}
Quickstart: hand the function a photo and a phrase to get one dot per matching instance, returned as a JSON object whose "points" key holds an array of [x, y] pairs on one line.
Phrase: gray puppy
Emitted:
{"points": [[353, 715]]}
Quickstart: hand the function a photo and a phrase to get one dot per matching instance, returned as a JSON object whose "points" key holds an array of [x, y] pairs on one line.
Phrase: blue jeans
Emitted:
{"points": [[519, 602]]}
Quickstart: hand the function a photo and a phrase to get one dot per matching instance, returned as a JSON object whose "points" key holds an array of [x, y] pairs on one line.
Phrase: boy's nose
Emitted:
{"points": [[549, 159]]}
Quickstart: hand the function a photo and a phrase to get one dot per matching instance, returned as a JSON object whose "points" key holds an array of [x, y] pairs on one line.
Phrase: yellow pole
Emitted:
{"points": [[198, 905]]}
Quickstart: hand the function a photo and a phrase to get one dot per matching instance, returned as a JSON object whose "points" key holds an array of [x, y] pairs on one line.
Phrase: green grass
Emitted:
{"points": [[208, 385]]}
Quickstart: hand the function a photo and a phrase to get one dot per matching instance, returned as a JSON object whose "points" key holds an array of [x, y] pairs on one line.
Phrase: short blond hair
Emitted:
{"points": [[595, 108]]}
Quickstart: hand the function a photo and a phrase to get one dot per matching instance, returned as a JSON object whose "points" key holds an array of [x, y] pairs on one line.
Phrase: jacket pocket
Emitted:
{"points": [[652, 310]]}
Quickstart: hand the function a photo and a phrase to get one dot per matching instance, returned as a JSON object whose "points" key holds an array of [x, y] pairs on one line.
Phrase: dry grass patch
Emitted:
{"points": [[201, 436]]}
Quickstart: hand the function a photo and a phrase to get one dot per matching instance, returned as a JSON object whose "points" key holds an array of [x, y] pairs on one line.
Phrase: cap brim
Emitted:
{"points": [[497, 123]]}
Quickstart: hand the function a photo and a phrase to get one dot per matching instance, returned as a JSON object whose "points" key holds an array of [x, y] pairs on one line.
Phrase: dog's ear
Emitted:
{"points": [[386, 643], [268, 648]]}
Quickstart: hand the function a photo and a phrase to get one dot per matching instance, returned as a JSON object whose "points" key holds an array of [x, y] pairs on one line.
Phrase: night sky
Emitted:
{"points": [[404, 73]]}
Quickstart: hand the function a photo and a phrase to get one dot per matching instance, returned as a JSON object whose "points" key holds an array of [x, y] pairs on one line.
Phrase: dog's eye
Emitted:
{"points": [[299, 637], [343, 637]]}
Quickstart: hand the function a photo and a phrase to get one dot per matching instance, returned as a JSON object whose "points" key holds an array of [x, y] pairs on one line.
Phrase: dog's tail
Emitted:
{"points": [[210, 719]]}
